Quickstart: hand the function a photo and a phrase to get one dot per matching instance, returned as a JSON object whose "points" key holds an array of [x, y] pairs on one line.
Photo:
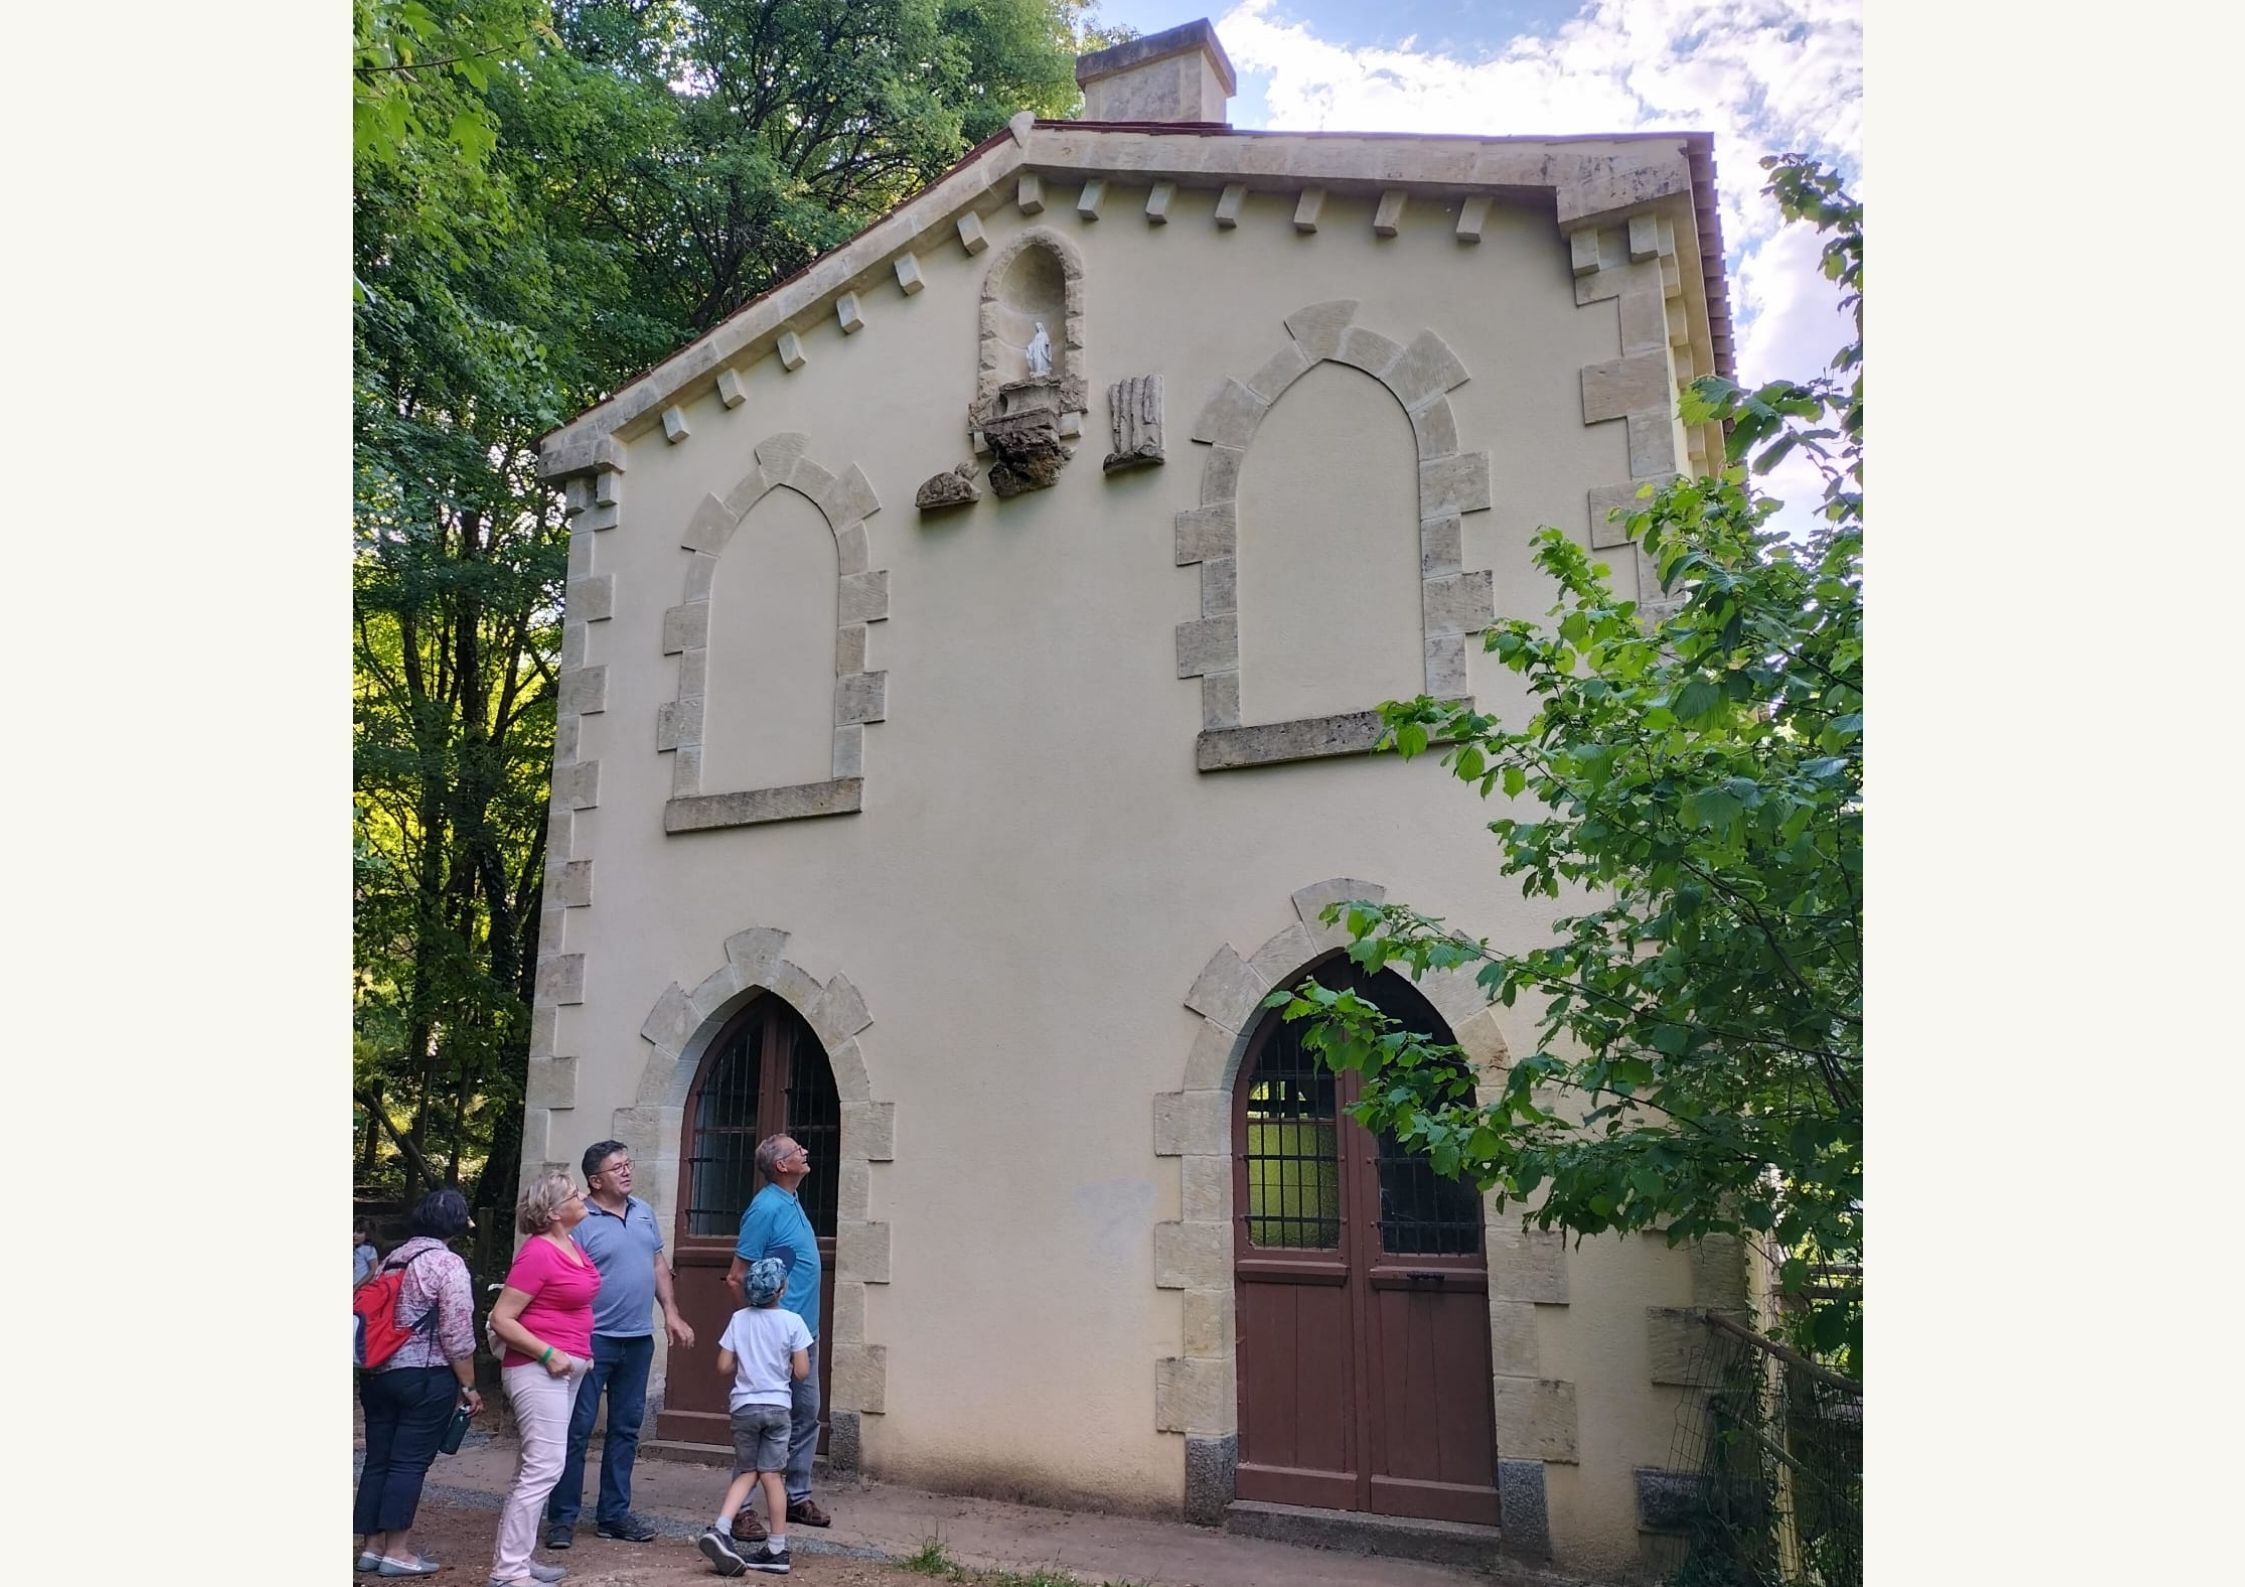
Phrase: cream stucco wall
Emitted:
{"points": [[1038, 873]]}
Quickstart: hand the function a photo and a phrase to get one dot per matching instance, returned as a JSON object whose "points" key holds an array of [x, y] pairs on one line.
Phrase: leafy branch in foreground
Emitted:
{"points": [[1693, 772]]}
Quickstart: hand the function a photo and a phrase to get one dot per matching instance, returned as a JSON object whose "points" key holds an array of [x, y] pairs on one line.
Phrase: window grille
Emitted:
{"points": [[768, 1075], [1293, 1160], [721, 1174], [1421, 1213]]}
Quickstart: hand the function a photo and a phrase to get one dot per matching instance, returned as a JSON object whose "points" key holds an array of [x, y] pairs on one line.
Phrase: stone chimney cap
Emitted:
{"points": [[1132, 53]]}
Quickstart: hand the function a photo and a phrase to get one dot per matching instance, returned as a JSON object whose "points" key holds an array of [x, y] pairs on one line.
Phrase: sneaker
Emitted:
{"points": [[419, 1565], [546, 1573], [369, 1563], [718, 1548], [769, 1563], [628, 1527], [807, 1513], [559, 1536]]}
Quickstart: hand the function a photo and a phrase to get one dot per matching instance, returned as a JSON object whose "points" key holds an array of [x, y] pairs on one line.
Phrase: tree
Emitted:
{"points": [[548, 199], [1694, 777]]}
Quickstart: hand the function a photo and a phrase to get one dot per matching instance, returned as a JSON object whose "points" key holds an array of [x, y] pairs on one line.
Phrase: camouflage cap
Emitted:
{"points": [[765, 1278]]}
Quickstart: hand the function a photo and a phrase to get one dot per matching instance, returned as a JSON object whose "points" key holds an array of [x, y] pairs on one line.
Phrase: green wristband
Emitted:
{"points": [[548, 1356]]}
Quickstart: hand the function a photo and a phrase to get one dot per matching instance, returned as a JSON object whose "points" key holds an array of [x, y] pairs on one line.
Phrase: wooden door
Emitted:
{"points": [[1362, 1295], [765, 1074]]}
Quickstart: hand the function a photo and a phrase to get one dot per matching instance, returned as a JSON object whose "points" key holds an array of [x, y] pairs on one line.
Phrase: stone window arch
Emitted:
{"points": [[845, 501], [1454, 603]]}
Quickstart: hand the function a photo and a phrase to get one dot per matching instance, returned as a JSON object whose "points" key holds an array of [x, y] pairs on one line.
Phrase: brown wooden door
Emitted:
{"points": [[764, 1074], [1362, 1293]]}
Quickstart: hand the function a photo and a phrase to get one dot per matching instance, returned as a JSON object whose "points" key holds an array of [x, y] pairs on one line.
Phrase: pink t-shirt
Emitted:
{"points": [[561, 1292]]}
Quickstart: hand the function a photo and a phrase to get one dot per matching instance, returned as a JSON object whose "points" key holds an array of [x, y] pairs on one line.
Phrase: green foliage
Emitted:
{"points": [[1693, 776], [546, 200]]}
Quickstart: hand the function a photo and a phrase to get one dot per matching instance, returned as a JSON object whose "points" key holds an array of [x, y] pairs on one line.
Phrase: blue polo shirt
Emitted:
{"points": [[624, 1248], [776, 1225]]}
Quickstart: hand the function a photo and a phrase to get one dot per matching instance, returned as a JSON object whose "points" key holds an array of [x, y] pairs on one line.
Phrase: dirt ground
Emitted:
{"points": [[461, 1537]]}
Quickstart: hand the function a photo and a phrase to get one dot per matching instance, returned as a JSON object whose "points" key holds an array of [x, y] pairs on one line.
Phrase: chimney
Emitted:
{"points": [[1179, 75]]}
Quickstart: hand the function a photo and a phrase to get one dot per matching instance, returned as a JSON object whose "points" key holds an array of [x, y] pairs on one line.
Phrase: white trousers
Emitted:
{"points": [[542, 1403]]}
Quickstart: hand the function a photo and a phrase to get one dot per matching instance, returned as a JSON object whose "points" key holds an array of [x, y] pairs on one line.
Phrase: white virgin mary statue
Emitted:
{"points": [[1040, 354]]}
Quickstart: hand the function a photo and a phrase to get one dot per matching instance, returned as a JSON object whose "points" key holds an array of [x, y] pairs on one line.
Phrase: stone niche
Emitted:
{"points": [[1030, 396]]}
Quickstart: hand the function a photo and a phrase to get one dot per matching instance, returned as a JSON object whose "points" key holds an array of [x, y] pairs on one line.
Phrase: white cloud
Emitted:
{"points": [[1764, 76]]}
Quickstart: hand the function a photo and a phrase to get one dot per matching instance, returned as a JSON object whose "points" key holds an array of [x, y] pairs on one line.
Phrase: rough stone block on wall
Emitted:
{"points": [[849, 649], [679, 722], [1227, 990], [701, 576], [1719, 1273], [790, 350], [1195, 1395], [1628, 385], [1434, 428], [1644, 323], [1459, 603], [1219, 699], [1279, 371], [1307, 208], [1426, 368], [869, 1130], [861, 697], [846, 1324], [1644, 238], [1192, 1122], [1513, 1347], [1318, 326], [1441, 545], [865, 597], [1387, 219], [1208, 644], [544, 1022], [1458, 483], [1446, 667], [550, 1083], [591, 600], [756, 952], [1682, 1348], [853, 1188], [1093, 195], [1192, 1255], [606, 484], [1606, 532], [861, 1377], [1204, 532], [1473, 219], [1228, 204], [848, 757], [1205, 1190], [845, 1444], [584, 692], [849, 313], [672, 1022], [1158, 202], [732, 391], [1535, 1418], [908, 276], [570, 883], [1029, 193], [971, 236], [561, 979], [796, 985], [1209, 1066], [1211, 1478], [1279, 961], [839, 1012], [1582, 249], [716, 989], [578, 786], [1367, 350], [1527, 1264], [1653, 452], [537, 1132], [1211, 1325], [1522, 1515], [1481, 1039], [1219, 586], [674, 425], [1230, 416], [861, 1250], [850, 497], [851, 553], [1219, 476]]}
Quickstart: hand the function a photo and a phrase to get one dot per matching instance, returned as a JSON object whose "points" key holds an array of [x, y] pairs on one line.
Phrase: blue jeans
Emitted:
{"points": [[407, 1409], [802, 1441], [620, 1366]]}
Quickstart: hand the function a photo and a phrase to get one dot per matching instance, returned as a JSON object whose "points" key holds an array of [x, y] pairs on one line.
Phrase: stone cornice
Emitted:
{"points": [[1591, 180]]}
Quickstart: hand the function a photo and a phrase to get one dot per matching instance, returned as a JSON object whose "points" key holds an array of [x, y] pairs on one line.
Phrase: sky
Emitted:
{"points": [[1764, 76]]}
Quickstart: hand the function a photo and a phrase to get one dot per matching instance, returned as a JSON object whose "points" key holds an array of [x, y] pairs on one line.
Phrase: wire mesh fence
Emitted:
{"points": [[1764, 1485]]}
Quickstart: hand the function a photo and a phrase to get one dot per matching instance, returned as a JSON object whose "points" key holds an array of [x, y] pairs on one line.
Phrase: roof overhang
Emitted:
{"points": [[1591, 181]]}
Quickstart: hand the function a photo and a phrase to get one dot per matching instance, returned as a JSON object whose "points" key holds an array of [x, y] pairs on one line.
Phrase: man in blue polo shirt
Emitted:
{"points": [[625, 1243], [775, 1225]]}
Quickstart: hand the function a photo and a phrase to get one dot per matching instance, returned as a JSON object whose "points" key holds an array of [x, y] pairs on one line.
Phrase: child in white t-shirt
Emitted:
{"points": [[764, 1350]]}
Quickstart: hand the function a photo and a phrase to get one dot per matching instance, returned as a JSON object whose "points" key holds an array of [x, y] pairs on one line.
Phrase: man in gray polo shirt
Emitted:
{"points": [[621, 1236]]}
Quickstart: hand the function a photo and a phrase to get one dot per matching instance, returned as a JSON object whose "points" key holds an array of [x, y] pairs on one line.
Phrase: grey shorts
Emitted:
{"points": [[760, 1438]]}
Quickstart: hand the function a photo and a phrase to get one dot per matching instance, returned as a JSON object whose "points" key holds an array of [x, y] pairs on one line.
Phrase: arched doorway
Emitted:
{"points": [[765, 1073], [1362, 1293]]}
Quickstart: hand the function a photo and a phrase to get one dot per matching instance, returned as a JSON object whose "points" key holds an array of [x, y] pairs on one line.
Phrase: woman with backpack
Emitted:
{"points": [[410, 1395]]}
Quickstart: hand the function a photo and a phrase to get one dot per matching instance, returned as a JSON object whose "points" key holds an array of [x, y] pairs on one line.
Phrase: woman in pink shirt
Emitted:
{"points": [[544, 1317]]}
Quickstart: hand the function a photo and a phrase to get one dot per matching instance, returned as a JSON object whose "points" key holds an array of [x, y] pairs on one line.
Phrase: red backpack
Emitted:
{"points": [[378, 1331]]}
